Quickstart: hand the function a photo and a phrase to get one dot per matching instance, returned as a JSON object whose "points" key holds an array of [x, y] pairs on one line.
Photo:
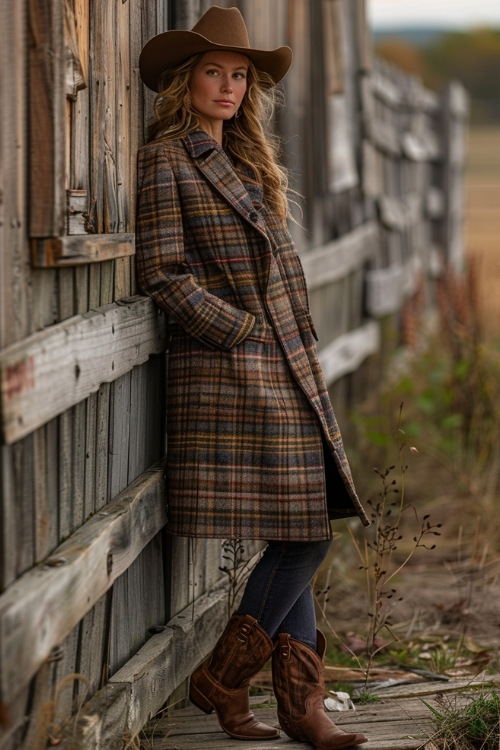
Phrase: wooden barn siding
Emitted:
{"points": [[84, 564]]}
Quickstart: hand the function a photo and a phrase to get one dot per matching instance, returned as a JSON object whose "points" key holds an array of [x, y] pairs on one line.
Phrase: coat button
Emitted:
{"points": [[253, 216]]}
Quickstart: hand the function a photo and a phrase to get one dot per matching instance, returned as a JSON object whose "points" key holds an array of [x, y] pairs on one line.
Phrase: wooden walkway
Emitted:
{"points": [[398, 720]]}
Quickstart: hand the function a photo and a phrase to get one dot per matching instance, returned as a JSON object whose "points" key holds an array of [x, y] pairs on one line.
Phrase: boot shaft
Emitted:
{"points": [[297, 674], [241, 651], [299, 687]]}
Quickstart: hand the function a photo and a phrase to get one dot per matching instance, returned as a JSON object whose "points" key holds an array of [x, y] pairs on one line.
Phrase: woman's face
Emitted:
{"points": [[217, 85]]}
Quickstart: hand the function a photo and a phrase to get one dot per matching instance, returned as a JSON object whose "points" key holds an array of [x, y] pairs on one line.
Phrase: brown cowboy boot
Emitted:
{"points": [[299, 687], [221, 682]]}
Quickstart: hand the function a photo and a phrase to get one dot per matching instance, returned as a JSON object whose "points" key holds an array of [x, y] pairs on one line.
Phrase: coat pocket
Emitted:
{"points": [[261, 331]]}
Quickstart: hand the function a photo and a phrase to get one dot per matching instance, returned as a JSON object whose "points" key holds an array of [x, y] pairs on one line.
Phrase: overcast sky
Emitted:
{"points": [[461, 13]]}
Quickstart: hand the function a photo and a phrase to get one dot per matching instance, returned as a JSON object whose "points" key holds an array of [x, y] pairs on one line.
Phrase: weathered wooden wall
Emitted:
{"points": [[87, 573]]}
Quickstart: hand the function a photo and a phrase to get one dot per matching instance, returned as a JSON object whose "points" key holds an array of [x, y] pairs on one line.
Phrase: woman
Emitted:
{"points": [[254, 450]]}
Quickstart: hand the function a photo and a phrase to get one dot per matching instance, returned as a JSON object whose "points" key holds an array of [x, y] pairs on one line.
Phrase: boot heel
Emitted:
{"points": [[200, 700]]}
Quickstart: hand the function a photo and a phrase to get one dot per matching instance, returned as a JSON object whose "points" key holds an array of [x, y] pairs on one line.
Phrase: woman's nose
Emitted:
{"points": [[226, 84]]}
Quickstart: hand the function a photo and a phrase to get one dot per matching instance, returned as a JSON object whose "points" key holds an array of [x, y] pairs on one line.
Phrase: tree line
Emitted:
{"points": [[472, 57]]}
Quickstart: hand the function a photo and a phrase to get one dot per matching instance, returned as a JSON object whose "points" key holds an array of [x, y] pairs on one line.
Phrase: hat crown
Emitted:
{"points": [[224, 26], [219, 28]]}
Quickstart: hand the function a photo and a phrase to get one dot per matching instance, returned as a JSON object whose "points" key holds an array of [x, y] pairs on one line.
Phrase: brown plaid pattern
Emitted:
{"points": [[247, 403]]}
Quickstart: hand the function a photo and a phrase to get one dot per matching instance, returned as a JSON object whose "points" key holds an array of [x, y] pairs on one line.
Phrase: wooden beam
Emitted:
{"points": [[337, 259], [73, 250], [387, 287], [400, 213], [384, 136], [42, 607], [139, 690], [54, 369], [397, 90], [346, 353]]}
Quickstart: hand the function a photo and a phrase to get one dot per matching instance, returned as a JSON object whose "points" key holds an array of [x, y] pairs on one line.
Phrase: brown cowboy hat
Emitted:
{"points": [[218, 29]]}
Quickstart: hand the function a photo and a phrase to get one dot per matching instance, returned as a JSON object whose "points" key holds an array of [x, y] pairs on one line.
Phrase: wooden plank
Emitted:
{"points": [[44, 605], [119, 427], [72, 250], [8, 527], [398, 692], [92, 651], [122, 157], [434, 202], [14, 273], [458, 100], [346, 353], [404, 723], [342, 129], [128, 624], [384, 290], [139, 689], [21, 547], [188, 728], [54, 369], [64, 470], [384, 136], [371, 170], [337, 259], [78, 167], [101, 496], [140, 414], [329, 306], [388, 287], [47, 64], [400, 213], [384, 88], [364, 44], [414, 147], [77, 209], [333, 47], [342, 170]]}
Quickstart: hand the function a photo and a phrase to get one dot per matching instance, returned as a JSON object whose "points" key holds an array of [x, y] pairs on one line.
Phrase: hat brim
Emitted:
{"points": [[169, 49]]}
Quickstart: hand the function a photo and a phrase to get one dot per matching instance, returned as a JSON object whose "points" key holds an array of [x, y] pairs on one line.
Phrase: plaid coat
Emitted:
{"points": [[250, 427]]}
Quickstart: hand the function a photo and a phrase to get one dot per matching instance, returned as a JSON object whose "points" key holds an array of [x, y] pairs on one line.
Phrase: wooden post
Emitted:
{"points": [[454, 122]]}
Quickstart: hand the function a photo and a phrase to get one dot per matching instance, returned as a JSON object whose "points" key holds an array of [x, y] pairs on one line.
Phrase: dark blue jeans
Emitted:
{"points": [[279, 591]]}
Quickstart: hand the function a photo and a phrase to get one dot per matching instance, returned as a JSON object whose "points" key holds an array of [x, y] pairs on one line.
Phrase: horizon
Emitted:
{"points": [[441, 25], [455, 14]]}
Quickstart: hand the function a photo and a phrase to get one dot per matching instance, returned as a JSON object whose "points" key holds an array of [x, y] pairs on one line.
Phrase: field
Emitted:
{"points": [[482, 223]]}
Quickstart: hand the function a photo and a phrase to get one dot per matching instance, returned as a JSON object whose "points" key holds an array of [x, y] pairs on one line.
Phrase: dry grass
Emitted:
{"points": [[482, 228]]}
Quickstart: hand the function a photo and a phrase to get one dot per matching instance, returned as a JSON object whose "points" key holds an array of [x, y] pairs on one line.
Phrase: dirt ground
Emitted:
{"points": [[445, 612], [450, 595]]}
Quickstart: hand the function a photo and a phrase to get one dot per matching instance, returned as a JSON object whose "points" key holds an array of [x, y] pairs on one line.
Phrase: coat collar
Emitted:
{"points": [[199, 143], [217, 168]]}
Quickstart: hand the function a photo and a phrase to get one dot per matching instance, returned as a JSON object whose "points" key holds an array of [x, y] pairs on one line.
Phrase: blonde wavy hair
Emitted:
{"points": [[248, 139]]}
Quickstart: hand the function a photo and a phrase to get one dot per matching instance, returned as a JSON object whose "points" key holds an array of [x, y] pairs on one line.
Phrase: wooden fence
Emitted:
{"points": [[102, 616]]}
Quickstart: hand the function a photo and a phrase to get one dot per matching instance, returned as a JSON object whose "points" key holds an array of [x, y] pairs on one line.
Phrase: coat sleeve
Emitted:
{"points": [[162, 270]]}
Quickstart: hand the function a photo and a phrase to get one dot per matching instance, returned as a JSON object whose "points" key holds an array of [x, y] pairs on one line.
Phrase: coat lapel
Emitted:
{"points": [[216, 167]]}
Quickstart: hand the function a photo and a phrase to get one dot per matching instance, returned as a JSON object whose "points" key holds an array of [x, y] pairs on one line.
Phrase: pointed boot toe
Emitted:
{"points": [[221, 683], [299, 687]]}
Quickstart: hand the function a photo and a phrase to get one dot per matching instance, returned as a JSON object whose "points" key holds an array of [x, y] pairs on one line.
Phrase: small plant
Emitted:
{"points": [[377, 554], [364, 697], [462, 725], [236, 568]]}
